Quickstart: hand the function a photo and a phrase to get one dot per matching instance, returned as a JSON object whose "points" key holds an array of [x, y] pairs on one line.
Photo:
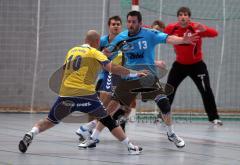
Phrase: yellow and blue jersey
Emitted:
{"points": [[81, 67]]}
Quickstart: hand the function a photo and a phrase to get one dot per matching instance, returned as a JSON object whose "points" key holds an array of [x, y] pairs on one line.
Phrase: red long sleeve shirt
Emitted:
{"points": [[188, 53]]}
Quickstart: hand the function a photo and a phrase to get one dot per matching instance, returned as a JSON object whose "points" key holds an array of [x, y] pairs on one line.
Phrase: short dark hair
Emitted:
{"points": [[184, 9], [135, 13], [159, 23], [116, 18]]}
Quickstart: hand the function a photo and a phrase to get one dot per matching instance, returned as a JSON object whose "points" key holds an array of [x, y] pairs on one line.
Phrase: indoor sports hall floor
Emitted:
{"points": [[205, 144]]}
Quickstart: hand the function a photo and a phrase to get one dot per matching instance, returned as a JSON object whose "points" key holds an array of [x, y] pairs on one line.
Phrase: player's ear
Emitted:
{"points": [[98, 42]]}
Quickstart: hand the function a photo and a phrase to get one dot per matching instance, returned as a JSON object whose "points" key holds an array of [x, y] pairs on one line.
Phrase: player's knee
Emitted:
{"points": [[163, 104], [109, 122]]}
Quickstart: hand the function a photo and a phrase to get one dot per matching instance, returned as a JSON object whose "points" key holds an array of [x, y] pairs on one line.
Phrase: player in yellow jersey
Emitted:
{"points": [[107, 81], [77, 91]]}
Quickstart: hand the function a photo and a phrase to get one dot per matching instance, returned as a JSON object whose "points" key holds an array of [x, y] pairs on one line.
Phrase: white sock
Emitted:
{"points": [[95, 134], [169, 129], [91, 125], [127, 143], [34, 131]]}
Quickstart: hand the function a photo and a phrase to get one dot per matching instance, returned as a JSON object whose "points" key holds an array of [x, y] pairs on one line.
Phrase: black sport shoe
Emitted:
{"points": [[25, 142]]}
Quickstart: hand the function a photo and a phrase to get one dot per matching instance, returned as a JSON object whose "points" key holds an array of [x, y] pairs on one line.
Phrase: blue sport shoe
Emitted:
{"points": [[84, 134]]}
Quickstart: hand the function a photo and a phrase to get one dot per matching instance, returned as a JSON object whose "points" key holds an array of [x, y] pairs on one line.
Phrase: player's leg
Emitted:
{"points": [[117, 132], [123, 113], [165, 108], [40, 126], [113, 128], [121, 94], [112, 107], [201, 78], [104, 88], [159, 96], [85, 131], [127, 101], [121, 116], [58, 111], [176, 75], [94, 129], [120, 135]]}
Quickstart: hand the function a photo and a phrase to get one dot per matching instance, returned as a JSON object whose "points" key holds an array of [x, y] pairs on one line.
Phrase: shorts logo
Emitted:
{"points": [[68, 103], [109, 81], [87, 104]]}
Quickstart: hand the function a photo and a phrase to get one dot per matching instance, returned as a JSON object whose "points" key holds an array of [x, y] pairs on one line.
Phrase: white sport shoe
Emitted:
{"points": [[176, 140], [83, 133], [88, 143], [135, 150], [217, 122]]}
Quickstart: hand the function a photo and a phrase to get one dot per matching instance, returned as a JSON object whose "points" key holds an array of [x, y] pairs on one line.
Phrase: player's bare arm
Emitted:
{"points": [[186, 39], [122, 71]]}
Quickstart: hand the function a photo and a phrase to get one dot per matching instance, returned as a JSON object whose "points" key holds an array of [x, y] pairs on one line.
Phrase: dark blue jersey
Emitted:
{"points": [[109, 80]]}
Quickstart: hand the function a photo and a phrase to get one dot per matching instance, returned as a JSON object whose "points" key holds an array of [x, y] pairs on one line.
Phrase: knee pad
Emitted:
{"points": [[109, 122], [163, 104], [117, 114]]}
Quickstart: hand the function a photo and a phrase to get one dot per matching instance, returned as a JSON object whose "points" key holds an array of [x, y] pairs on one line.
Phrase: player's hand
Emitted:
{"points": [[135, 74], [106, 52], [142, 73], [160, 64], [200, 27], [190, 38]]}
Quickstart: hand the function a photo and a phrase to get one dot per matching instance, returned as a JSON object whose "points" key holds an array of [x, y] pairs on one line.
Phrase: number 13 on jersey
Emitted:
{"points": [[142, 45]]}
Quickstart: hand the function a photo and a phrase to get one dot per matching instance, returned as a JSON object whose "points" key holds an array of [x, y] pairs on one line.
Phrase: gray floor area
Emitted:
{"points": [[205, 144]]}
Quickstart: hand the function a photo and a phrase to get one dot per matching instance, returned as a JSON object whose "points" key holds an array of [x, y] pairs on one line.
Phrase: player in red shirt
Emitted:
{"points": [[189, 61]]}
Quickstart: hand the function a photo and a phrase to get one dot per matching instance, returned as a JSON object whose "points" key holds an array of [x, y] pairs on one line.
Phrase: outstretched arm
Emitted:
{"points": [[186, 39], [122, 71], [205, 31]]}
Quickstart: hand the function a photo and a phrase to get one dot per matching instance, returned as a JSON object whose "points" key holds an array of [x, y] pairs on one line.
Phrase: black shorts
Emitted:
{"points": [[127, 90]]}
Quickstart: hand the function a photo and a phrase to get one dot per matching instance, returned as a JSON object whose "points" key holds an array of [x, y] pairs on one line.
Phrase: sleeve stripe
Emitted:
{"points": [[166, 38], [105, 62]]}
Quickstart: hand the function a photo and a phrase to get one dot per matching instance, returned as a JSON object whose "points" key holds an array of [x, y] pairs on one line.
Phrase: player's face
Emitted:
{"points": [[115, 27], [133, 24], [183, 18]]}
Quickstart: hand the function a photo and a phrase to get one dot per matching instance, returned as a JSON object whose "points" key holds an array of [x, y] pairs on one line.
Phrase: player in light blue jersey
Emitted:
{"points": [[138, 45]]}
